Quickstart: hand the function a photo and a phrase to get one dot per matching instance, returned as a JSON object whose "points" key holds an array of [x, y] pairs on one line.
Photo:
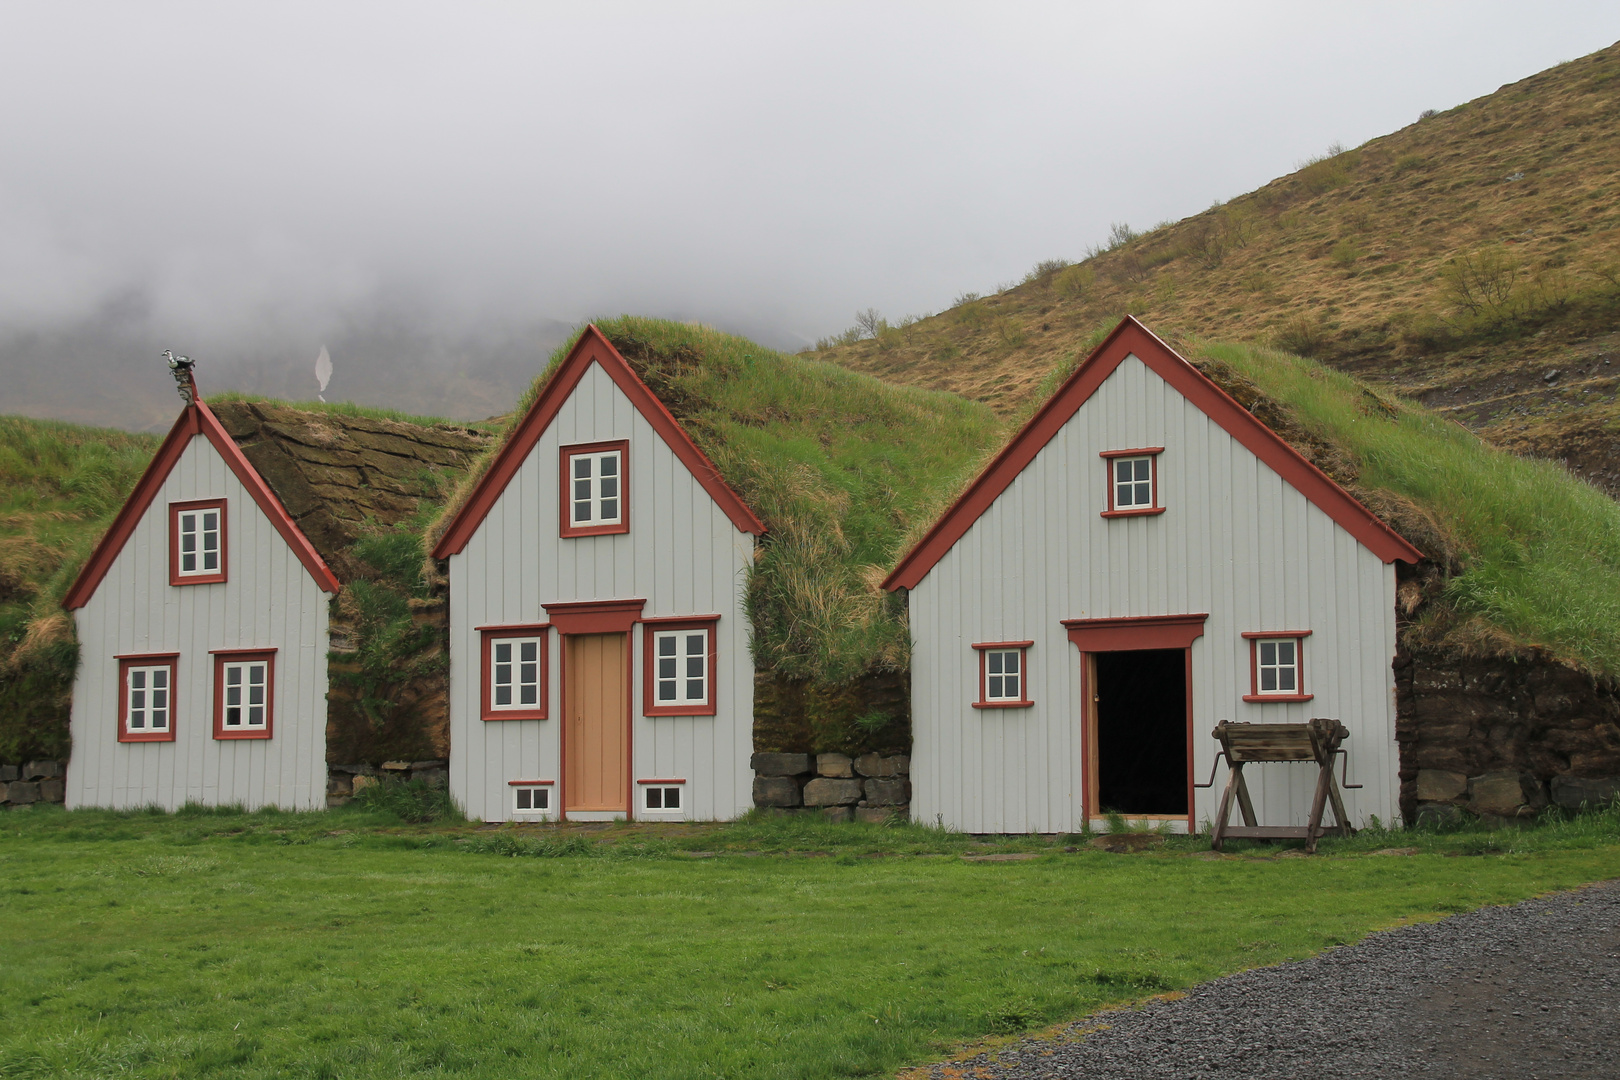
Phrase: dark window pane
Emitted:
{"points": [[1143, 468], [655, 798], [672, 798], [610, 509], [528, 673], [610, 465], [694, 667], [1012, 663], [1011, 686], [1122, 470], [582, 466], [523, 798], [582, 511], [666, 645], [1268, 679], [503, 695], [1285, 679], [1144, 495], [1268, 653], [529, 650], [1285, 652], [694, 690], [503, 652], [666, 690], [542, 798], [531, 695], [994, 690], [666, 667], [993, 663]]}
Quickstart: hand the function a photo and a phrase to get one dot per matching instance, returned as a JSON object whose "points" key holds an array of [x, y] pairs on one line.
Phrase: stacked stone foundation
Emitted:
{"points": [[344, 782], [33, 782], [871, 787]]}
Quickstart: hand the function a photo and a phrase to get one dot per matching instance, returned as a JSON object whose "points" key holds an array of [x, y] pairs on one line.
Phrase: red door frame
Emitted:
{"points": [[597, 617], [1130, 635]]}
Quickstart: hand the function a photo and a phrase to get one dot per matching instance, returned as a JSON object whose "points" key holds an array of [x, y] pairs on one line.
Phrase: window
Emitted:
{"points": [[1133, 481], [197, 542], [515, 672], [1277, 666], [1003, 675], [146, 697], [531, 796], [244, 694], [680, 667], [596, 489], [662, 796]]}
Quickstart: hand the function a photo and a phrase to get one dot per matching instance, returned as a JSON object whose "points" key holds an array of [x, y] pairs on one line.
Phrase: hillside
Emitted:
{"points": [[1470, 261]]}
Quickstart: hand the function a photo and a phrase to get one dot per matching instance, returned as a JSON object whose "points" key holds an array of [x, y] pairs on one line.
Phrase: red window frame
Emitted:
{"points": [[488, 636], [1023, 701], [1108, 457], [172, 661], [566, 455], [651, 627], [175, 510], [226, 656], [1254, 638]]}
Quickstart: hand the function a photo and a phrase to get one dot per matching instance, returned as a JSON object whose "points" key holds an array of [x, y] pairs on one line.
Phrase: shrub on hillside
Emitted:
{"points": [[1045, 270], [1329, 171], [1302, 335], [1074, 282]]}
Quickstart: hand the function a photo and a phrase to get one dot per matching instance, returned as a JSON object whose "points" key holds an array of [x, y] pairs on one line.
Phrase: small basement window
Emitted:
{"points": [[1277, 666], [197, 542], [662, 796], [680, 667], [1003, 675], [595, 489], [1133, 481], [531, 798], [244, 692], [515, 668], [146, 697]]}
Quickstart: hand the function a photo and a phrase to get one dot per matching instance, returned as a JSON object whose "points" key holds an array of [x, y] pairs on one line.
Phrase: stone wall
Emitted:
{"points": [[872, 787], [1502, 738], [344, 782], [33, 782]]}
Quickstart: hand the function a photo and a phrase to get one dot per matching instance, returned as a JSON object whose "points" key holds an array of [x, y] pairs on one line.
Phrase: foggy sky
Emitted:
{"points": [[454, 184]]}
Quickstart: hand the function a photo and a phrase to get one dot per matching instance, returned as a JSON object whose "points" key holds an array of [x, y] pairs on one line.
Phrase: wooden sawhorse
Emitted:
{"points": [[1315, 740]]}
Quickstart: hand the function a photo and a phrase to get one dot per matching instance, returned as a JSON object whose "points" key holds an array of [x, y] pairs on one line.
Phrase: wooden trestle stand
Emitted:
{"points": [[1315, 740]]}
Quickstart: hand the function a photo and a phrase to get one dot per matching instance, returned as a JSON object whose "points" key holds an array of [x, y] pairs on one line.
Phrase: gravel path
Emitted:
{"points": [[1529, 991]]}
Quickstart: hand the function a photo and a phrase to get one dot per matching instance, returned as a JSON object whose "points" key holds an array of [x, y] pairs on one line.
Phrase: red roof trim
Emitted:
{"points": [[593, 347], [196, 419], [1132, 338]]}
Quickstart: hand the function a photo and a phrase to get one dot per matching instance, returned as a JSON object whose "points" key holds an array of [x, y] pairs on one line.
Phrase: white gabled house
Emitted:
{"points": [[202, 626], [1143, 560], [599, 657]]}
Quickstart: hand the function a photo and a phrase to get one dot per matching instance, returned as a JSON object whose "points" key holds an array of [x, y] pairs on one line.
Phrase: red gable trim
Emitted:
{"points": [[593, 348], [1132, 338], [197, 419]]}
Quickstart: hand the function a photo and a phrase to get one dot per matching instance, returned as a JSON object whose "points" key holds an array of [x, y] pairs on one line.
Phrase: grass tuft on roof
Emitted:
{"points": [[840, 466], [1530, 554]]}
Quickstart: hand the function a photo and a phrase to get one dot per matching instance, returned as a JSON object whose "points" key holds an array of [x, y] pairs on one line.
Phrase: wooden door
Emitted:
{"points": [[596, 739]]}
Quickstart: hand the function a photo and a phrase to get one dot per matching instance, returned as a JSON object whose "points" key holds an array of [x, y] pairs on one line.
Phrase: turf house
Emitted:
{"points": [[246, 625], [662, 581], [1143, 559]]}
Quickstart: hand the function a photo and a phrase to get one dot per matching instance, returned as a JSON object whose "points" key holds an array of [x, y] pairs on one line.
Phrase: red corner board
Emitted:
{"points": [[593, 347], [1127, 339], [197, 419]]}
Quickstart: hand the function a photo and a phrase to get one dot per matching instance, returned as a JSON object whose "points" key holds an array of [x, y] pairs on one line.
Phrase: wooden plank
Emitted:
{"points": [[1268, 832]]}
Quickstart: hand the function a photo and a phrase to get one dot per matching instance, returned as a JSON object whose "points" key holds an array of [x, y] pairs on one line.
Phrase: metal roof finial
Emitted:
{"points": [[181, 367]]}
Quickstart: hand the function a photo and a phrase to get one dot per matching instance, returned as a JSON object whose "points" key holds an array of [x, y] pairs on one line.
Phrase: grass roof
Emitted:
{"points": [[1528, 556], [840, 466]]}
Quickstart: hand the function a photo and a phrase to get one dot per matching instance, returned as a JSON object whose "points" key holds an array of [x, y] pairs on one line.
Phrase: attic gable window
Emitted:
{"points": [[197, 542], [1277, 666], [595, 489], [244, 694], [146, 697], [1003, 675], [1133, 481]]}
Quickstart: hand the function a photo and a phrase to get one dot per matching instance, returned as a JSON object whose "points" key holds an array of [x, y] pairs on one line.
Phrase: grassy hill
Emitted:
{"points": [[1470, 261]]}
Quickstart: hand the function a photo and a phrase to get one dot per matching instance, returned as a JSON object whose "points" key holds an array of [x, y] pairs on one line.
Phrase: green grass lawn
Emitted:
{"points": [[336, 945]]}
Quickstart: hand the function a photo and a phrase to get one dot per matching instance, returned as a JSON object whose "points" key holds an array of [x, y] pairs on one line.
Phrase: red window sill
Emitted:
{"points": [[197, 579], [1263, 698], [164, 736], [516, 714], [530, 783], [1146, 511], [569, 531], [680, 710], [230, 736], [1002, 704]]}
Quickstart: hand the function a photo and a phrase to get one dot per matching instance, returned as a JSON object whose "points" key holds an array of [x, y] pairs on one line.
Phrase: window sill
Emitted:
{"points": [[515, 714], [570, 531], [1146, 511], [232, 736], [197, 579], [164, 736], [1263, 698], [1002, 704], [679, 710]]}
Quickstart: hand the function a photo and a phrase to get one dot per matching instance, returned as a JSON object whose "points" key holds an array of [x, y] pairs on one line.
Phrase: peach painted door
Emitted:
{"points": [[596, 762]]}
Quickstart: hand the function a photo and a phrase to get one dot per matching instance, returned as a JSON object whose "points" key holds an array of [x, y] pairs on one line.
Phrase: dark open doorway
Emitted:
{"points": [[1141, 716]]}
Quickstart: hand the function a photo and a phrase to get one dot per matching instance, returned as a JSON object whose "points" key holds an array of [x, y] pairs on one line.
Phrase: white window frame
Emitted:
{"points": [[542, 792], [199, 534], [130, 690], [662, 790], [682, 657], [1133, 485], [516, 643], [246, 667], [991, 658], [592, 491], [1276, 669]]}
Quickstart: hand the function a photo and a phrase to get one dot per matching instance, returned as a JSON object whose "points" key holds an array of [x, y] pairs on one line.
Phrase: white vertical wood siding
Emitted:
{"points": [[269, 601], [1236, 541], [682, 554]]}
